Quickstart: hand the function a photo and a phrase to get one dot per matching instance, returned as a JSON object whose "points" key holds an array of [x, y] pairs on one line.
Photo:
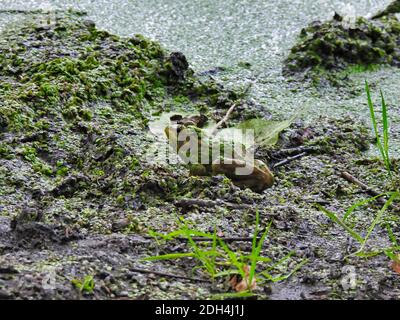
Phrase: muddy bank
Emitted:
{"points": [[79, 193]]}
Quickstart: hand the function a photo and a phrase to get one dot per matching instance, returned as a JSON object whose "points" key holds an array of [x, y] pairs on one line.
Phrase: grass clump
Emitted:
{"points": [[85, 285], [362, 240], [382, 142], [216, 259]]}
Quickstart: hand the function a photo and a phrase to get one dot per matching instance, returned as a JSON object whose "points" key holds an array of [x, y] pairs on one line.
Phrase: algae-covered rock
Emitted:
{"points": [[337, 44]]}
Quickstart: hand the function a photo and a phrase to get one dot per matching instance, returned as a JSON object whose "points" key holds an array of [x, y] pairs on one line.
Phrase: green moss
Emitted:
{"points": [[133, 227], [61, 170], [75, 112], [336, 45], [121, 200], [357, 68], [5, 151], [98, 172], [134, 163], [30, 154]]}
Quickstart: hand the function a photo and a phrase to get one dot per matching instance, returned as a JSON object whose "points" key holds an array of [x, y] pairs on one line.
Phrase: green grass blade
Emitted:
{"points": [[390, 254], [226, 273], [214, 247], [200, 254], [232, 257], [168, 236], [371, 110], [170, 256], [279, 262], [284, 277], [253, 263], [378, 218], [392, 237], [385, 133], [336, 219], [256, 252], [359, 204], [181, 233], [255, 234], [374, 123]]}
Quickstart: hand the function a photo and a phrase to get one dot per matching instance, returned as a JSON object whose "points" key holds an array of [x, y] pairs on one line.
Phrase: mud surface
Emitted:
{"points": [[79, 191]]}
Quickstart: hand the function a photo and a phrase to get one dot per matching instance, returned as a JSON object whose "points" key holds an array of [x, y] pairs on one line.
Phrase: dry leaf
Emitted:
{"points": [[266, 132], [396, 264], [240, 285]]}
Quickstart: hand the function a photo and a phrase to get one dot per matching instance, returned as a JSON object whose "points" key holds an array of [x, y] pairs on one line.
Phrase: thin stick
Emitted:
{"points": [[289, 159], [293, 151], [163, 274], [223, 120], [348, 177]]}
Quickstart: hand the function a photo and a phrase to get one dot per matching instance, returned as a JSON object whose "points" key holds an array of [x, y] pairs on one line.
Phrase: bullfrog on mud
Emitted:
{"points": [[243, 172]]}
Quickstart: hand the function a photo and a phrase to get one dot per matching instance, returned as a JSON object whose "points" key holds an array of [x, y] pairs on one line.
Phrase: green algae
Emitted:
{"points": [[349, 47], [75, 102]]}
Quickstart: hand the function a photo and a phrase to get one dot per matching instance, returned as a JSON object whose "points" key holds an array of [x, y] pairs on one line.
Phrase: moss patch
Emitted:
{"points": [[338, 45]]}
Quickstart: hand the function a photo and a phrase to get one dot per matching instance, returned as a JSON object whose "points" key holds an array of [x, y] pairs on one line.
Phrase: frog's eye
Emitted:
{"points": [[176, 117]]}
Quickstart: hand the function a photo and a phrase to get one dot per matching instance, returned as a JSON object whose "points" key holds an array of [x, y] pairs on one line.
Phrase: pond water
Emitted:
{"points": [[249, 38]]}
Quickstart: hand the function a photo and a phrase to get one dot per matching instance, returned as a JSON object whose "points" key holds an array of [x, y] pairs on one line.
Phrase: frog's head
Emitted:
{"points": [[172, 132], [194, 120]]}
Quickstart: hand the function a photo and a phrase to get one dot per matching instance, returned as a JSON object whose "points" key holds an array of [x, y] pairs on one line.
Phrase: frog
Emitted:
{"points": [[258, 178]]}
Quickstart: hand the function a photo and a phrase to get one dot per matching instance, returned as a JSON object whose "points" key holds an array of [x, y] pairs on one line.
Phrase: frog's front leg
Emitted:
{"points": [[258, 179], [197, 169]]}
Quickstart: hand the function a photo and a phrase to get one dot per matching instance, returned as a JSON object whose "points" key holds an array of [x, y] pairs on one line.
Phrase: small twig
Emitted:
{"points": [[289, 159], [350, 178], [293, 151], [223, 120], [163, 274]]}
